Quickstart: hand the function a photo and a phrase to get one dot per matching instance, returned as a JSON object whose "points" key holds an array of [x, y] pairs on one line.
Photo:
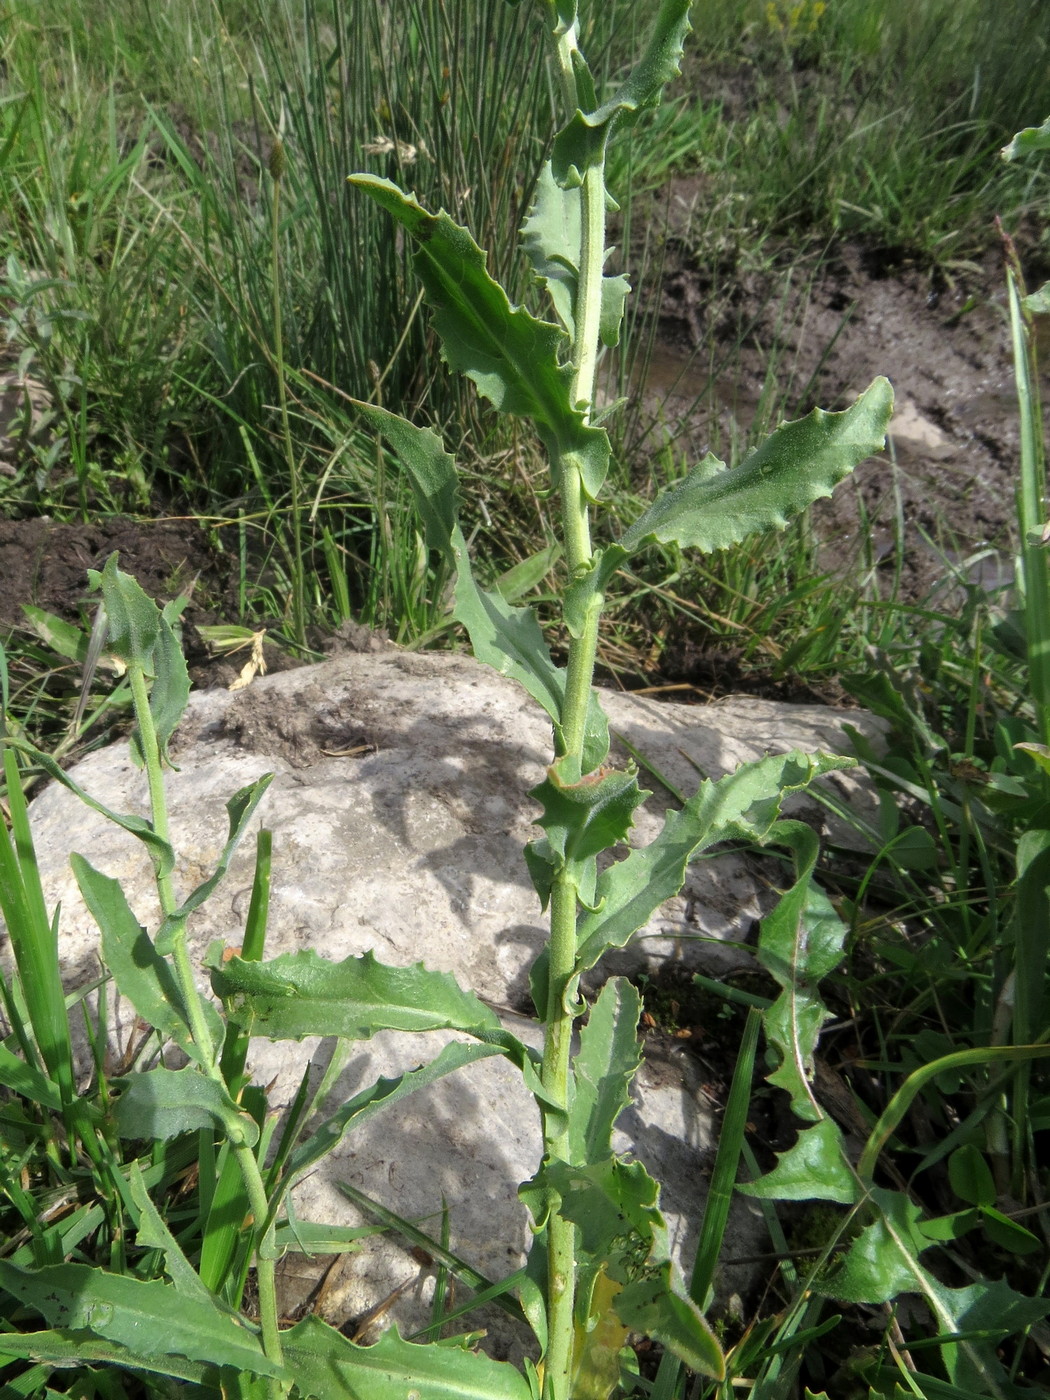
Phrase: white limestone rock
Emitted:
{"points": [[398, 811]]}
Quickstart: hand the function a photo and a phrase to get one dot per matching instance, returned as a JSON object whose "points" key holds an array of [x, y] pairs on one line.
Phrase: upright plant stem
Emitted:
{"points": [[252, 1175], [561, 996], [1031, 501]]}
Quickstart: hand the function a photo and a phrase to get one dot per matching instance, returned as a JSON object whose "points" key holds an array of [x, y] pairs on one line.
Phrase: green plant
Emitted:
{"points": [[947, 981], [590, 1286], [589, 1280]]}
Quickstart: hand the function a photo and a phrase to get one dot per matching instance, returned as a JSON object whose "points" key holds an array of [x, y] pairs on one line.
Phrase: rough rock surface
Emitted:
{"points": [[398, 812]]}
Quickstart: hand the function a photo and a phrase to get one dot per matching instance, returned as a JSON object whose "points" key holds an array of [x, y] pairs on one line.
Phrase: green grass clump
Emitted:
{"points": [[125, 173]]}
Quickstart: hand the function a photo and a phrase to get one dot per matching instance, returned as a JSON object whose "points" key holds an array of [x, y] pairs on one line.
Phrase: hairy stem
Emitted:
{"points": [[265, 1267], [165, 887], [588, 309], [561, 1233], [561, 1008]]}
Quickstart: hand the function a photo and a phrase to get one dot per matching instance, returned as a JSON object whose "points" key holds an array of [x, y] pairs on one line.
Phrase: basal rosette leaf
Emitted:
{"points": [[151, 1319], [510, 355], [742, 805], [581, 143], [504, 637], [796, 465], [883, 1263]]}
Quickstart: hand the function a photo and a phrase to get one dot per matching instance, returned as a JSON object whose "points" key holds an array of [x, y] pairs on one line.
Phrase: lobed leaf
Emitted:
{"points": [[164, 1103], [815, 1168], [796, 465], [584, 816], [744, 804], [603, 1068], [623, 1239], [510, 355], [151, 1319], [327, 1364], [883, 1263], [800, 942]]}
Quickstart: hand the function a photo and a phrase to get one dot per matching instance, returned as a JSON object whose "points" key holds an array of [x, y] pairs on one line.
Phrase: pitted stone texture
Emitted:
{"points": [[398, 812], [464, 1145]]}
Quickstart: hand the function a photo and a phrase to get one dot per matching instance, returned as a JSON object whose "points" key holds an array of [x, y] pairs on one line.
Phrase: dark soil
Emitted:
{"points": [[946, 484], [45, 564]]}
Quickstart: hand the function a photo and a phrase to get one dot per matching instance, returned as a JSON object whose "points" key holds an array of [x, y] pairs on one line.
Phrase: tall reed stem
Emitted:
{"points": [[277, 167]]}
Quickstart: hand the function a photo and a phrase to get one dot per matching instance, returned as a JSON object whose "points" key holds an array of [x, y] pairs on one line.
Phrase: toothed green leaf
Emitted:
{"points": [[742, 805], [581, 144], [800, 942], [713, 509], [506, 638], [165, 1103], [603, 1068], [550, 237], [511, 356], [814, 1169]]}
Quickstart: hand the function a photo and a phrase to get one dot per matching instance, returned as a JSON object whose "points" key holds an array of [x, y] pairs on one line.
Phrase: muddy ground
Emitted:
{"points": [[948, 477]]}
